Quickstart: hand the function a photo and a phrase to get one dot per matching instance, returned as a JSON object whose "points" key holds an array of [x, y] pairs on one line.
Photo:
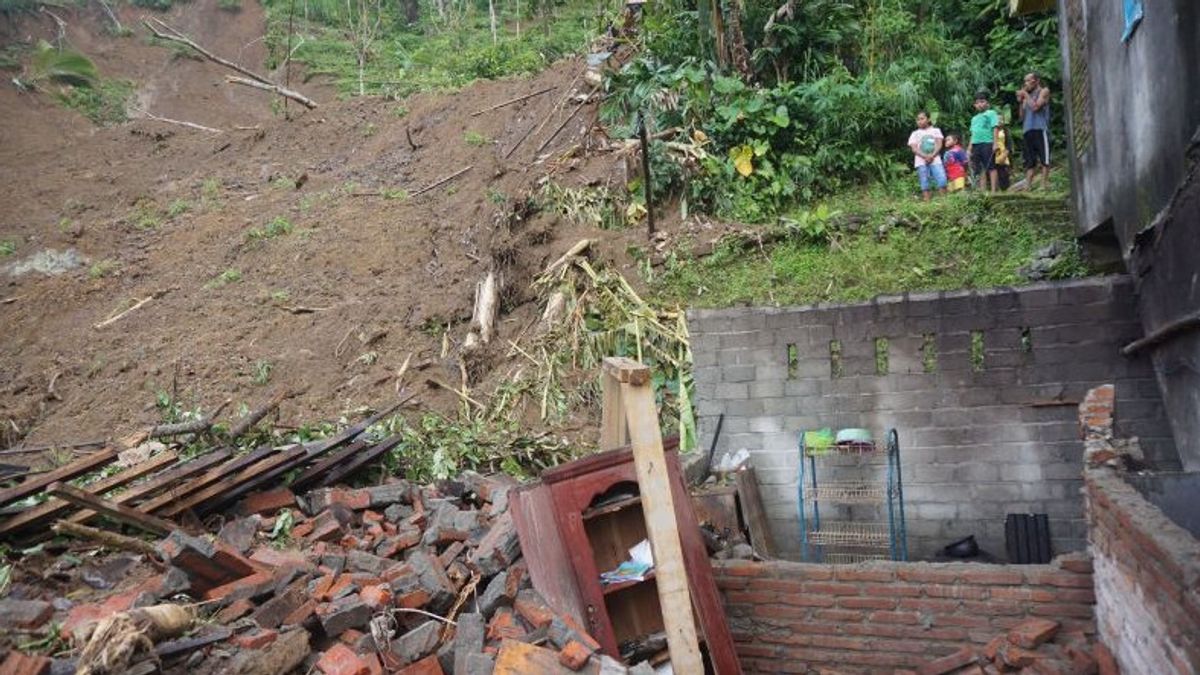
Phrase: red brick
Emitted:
{"points": [[993, 577], [895, 617], [1061, 579], [949, 663], [246, 582], [504, 624], [373, 663], [255, 640], [852, 573], [1062, 610], [268, 501], [1032, 632], [1104, 660], [24, 614], [275, 558], [413, 599], [842, 615], [1024, 593], [1016, 657], [743, 569], [891, 590], [574, 655], [530, 605], [1082, 659], [960, 591], [377, 596], [235, 611], [17, 663], [866, 603], [1078, 565], [301, 613], [341, 660], [833, 588], [992, 650], [426, 666], [927, 574]]}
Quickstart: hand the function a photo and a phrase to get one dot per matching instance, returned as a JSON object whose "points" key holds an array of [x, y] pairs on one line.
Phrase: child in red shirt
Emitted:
{"points": [[955, 159]]}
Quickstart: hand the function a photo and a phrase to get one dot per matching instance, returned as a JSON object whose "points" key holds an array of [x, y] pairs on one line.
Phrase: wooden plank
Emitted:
{"points": [[54, 508], [75, 469], [228, 485], [360, 460], [120, 512], [545, 552], [178, 492], [658, 505], [754, 512], [614, 432], [314, 472], [162, 480], [625, 370]]}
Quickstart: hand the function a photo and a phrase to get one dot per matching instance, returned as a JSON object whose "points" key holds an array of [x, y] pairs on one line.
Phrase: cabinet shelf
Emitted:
{"points": [[609, 589], [611, 507]]}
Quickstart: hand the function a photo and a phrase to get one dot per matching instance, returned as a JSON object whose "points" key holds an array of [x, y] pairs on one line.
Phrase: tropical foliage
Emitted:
{"points": [[824, 92]]}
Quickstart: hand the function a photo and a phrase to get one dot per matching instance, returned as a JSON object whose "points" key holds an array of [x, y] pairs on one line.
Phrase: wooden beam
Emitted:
{"points": [[54, 508], [75, 469], [119, 512], [228, 484], [314, 472], [178, 492], [614, 432], [162, 480], [360, 460], [658, 507], [754, 512], [109, 539]]}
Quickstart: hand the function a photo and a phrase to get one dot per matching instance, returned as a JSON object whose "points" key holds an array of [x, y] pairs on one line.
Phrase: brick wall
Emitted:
{"points": [[980, 385], [789, 617], [1147, 580]]}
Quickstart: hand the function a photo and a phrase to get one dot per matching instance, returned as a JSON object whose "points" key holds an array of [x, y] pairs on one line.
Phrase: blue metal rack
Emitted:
{"points": [[853, 540]]}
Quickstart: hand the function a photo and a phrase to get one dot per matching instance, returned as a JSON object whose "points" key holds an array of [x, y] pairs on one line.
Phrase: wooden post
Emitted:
{"points": [[654, 484], [646, 176], [125, 514]]}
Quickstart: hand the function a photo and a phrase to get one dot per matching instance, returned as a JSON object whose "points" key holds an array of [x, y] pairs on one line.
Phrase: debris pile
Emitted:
{"points": [[1035, 646], [387, 578]]}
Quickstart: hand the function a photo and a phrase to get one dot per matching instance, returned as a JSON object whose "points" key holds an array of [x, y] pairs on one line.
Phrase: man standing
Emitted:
{"points": [[926, 145], [983, 139], [1034, 99]]}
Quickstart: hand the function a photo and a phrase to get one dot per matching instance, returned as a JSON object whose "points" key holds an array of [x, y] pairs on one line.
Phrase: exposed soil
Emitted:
{"points": [[387, 274]]}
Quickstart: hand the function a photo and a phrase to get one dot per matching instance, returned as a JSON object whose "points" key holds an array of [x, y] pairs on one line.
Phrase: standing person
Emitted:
{"points": [[983, 139], [1034, 99], [926, 144], [956, 161]]}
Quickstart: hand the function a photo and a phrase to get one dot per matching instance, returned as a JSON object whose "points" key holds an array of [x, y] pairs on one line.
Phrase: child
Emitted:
{"points": [[983, 142], [926, 146], [1002, 154], [955, 160]]}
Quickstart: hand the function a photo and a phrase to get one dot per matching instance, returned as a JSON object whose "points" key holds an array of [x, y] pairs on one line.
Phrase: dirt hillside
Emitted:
{"points": [[183, 216]]}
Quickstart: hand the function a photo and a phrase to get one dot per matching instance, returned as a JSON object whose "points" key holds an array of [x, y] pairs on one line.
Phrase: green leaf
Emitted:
{"points": [[66, 66]]}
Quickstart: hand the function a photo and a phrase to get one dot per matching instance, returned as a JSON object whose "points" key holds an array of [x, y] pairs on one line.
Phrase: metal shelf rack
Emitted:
{"points": [[840, 540]]}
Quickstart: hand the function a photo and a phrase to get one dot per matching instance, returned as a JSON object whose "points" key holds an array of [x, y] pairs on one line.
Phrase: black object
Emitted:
{"points": [[966, 547], [645, 142], [1027, 538]]}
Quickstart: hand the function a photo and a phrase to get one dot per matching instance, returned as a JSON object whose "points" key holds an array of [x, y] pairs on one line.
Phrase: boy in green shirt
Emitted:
{"points": [[983, 139]]}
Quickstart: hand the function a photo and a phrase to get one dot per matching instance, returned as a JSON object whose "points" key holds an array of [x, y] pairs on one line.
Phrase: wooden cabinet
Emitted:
{"points": [[581, 519]]}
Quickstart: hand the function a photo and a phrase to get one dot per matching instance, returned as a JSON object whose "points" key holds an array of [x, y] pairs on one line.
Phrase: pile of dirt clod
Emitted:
{"points": [[279, 253]]}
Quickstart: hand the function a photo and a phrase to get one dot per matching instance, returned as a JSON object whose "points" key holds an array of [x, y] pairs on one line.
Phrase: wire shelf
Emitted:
{"points": [[850, 534], [843, 558], [843, 449], [846, 492]]}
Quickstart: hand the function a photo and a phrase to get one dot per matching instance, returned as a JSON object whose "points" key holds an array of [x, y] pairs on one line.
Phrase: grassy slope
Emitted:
{"points": [[895, 244]]}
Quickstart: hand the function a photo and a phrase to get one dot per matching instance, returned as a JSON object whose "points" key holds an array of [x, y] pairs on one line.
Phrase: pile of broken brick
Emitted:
{"points": [[1035, 646], [391, 578]]}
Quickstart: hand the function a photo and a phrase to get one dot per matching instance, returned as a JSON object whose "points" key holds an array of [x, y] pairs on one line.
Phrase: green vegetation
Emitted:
{"points": [[229, 276], [877, 244], [230, 5], [822, 101], [178, 208], [73, 80], [595, 206], [278, 227], [262, 372], [103, 104], [105, 268], [7, 247], [474, 138], [434, 52], [146, 215]]}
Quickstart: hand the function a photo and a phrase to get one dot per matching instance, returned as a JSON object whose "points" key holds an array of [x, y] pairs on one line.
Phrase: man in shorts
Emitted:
{"points": [[983, 139], [1034, 99]]}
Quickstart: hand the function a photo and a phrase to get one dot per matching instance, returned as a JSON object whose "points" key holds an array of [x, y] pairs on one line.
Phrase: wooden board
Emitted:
{"points": [[544, 551], [753, 512], [178, 492], [359, 460], [120, 512], [227, 485], [314, 472], [55, 508], [159, 482], [73, 470], [641, 415]]}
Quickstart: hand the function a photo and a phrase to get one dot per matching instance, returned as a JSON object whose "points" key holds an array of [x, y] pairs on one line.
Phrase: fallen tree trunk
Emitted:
{"points": [[165, 32], [272, 87]]}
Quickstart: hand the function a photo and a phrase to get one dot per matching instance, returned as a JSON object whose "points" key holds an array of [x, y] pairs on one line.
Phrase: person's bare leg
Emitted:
{"points": [[1045, 176], [994, 179], [1030, 174], [925, 195]]}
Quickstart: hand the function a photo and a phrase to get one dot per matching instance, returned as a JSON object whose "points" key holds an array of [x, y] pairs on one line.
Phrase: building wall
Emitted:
{"points": [[1147, 580], [976, 444], [789, 617], [1134, 119]]}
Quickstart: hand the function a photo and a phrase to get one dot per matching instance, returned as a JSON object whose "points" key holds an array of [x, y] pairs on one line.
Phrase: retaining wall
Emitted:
{"points": [[982, 387]]}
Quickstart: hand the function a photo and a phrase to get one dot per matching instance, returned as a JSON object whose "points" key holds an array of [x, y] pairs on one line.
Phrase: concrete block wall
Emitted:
{"points": [[1147, 580], [981, 386], [789, 617]]}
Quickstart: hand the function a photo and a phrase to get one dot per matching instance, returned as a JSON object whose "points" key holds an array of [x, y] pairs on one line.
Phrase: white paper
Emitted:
{"points": [[642, 553]]}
